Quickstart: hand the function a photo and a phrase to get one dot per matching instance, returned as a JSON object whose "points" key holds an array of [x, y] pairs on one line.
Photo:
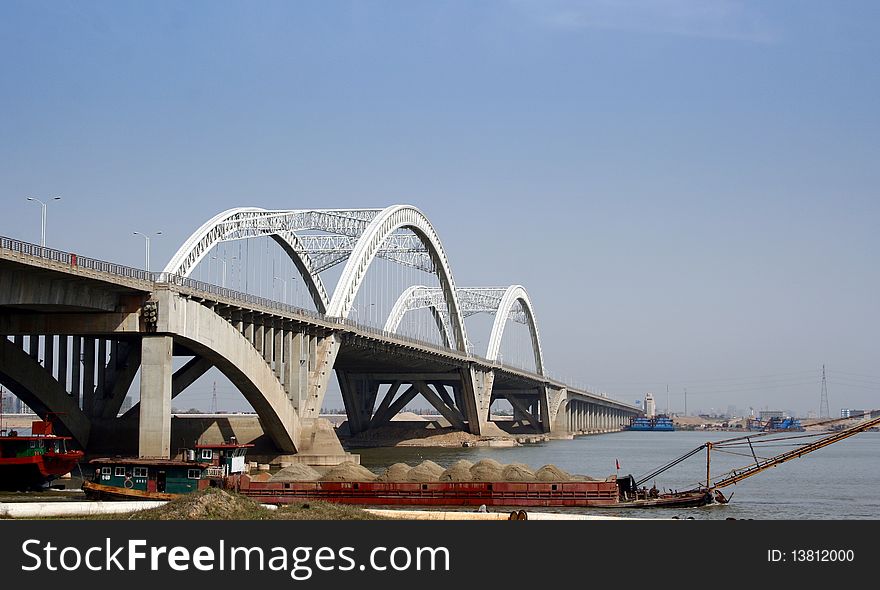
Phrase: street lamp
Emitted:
{"points": [[284, 288], [223, 260], [146, 247], [42, 218]]}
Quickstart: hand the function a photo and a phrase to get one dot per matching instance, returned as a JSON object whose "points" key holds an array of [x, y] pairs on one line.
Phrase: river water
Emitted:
{"points": [[840, 481]]}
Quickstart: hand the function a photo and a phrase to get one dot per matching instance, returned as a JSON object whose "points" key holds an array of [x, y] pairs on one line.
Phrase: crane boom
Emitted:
{"points": [[760, 466]]}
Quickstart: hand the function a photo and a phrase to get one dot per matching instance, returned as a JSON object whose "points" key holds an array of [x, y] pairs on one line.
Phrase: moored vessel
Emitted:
{"points": [[658, 423], [32, 461], [129, 478]]}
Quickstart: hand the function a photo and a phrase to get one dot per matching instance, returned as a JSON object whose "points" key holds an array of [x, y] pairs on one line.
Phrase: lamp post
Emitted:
{"points": [[223, 279], [42, 218], [283, 286], [146, 247]]}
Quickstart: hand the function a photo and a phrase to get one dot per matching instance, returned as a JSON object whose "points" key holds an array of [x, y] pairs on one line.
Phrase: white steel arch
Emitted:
{"points": [[511, 303], [383, 225], [420, 297], [514, 294], [246, 222]]}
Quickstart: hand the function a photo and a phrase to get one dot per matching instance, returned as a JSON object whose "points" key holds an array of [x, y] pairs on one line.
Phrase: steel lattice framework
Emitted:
{"points": [[400, 233], [506, 303]]}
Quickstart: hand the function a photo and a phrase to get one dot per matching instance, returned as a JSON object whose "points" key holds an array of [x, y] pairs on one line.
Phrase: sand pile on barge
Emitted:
{"points": [[396, 473], [296, 472], [425, 471], [486, 470], [349, 471], [517, 472], [458, 471], [552, 473]]}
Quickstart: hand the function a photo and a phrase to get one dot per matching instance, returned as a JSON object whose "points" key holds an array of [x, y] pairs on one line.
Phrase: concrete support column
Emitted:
{"points": [[154, 431], [313, 353], [288, 369], [300, 361], [101, 362], [259, 338], [278, 350], [88, 387], [476, 393], [49, 354], [62, 361], [75, 369]]}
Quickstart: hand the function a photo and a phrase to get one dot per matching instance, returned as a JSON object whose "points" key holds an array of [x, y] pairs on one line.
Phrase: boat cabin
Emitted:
{"points": [[40, 442], [223, 459], [165, 476], [203, 466]]}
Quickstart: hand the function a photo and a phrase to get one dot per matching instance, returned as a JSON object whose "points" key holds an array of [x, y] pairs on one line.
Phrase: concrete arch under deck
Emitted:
{"points": [[213, 338], [380, 228], [212, 232], [513, 294], [34, 385]]}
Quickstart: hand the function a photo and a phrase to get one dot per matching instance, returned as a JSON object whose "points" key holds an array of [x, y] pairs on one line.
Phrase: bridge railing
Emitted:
{"points": [[238, 296], [75, 260]]}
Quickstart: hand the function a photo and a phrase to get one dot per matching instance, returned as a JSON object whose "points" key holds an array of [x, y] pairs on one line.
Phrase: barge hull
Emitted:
{"points": [[567, 494]]}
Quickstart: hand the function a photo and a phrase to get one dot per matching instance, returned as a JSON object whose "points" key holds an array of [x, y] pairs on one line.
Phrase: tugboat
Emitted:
{"points": [[203, 466], [31, 462]]}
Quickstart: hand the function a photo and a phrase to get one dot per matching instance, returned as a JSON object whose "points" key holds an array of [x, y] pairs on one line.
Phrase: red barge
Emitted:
{"points": [[32, 461]]}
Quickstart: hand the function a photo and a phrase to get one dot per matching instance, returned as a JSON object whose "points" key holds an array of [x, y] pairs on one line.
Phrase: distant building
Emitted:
{"points": [[850, 413], [650, 408]]}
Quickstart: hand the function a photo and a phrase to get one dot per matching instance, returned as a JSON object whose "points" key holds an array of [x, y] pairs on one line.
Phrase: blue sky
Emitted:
{"points": [[687, 188]]}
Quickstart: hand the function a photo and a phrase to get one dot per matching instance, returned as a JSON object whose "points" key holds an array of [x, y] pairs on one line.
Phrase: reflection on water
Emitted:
{"points": [[837, 482]]}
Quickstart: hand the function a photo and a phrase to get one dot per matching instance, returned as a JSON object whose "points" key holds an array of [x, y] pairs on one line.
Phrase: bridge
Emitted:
{"points": [[78, 331]]}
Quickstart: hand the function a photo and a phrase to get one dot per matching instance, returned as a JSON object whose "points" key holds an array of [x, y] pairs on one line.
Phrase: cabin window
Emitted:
{"points": [[119, 472], [140, 472], [105, 471], [207, 454], [194, 473], [553, 487]]}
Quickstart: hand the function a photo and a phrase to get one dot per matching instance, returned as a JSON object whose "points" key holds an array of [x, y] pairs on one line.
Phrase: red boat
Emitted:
{"points": [[32, 461]]}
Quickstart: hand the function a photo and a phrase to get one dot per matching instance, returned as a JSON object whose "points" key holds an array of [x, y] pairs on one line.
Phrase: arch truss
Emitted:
{"points": [[506, 303], [314, 239]]}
